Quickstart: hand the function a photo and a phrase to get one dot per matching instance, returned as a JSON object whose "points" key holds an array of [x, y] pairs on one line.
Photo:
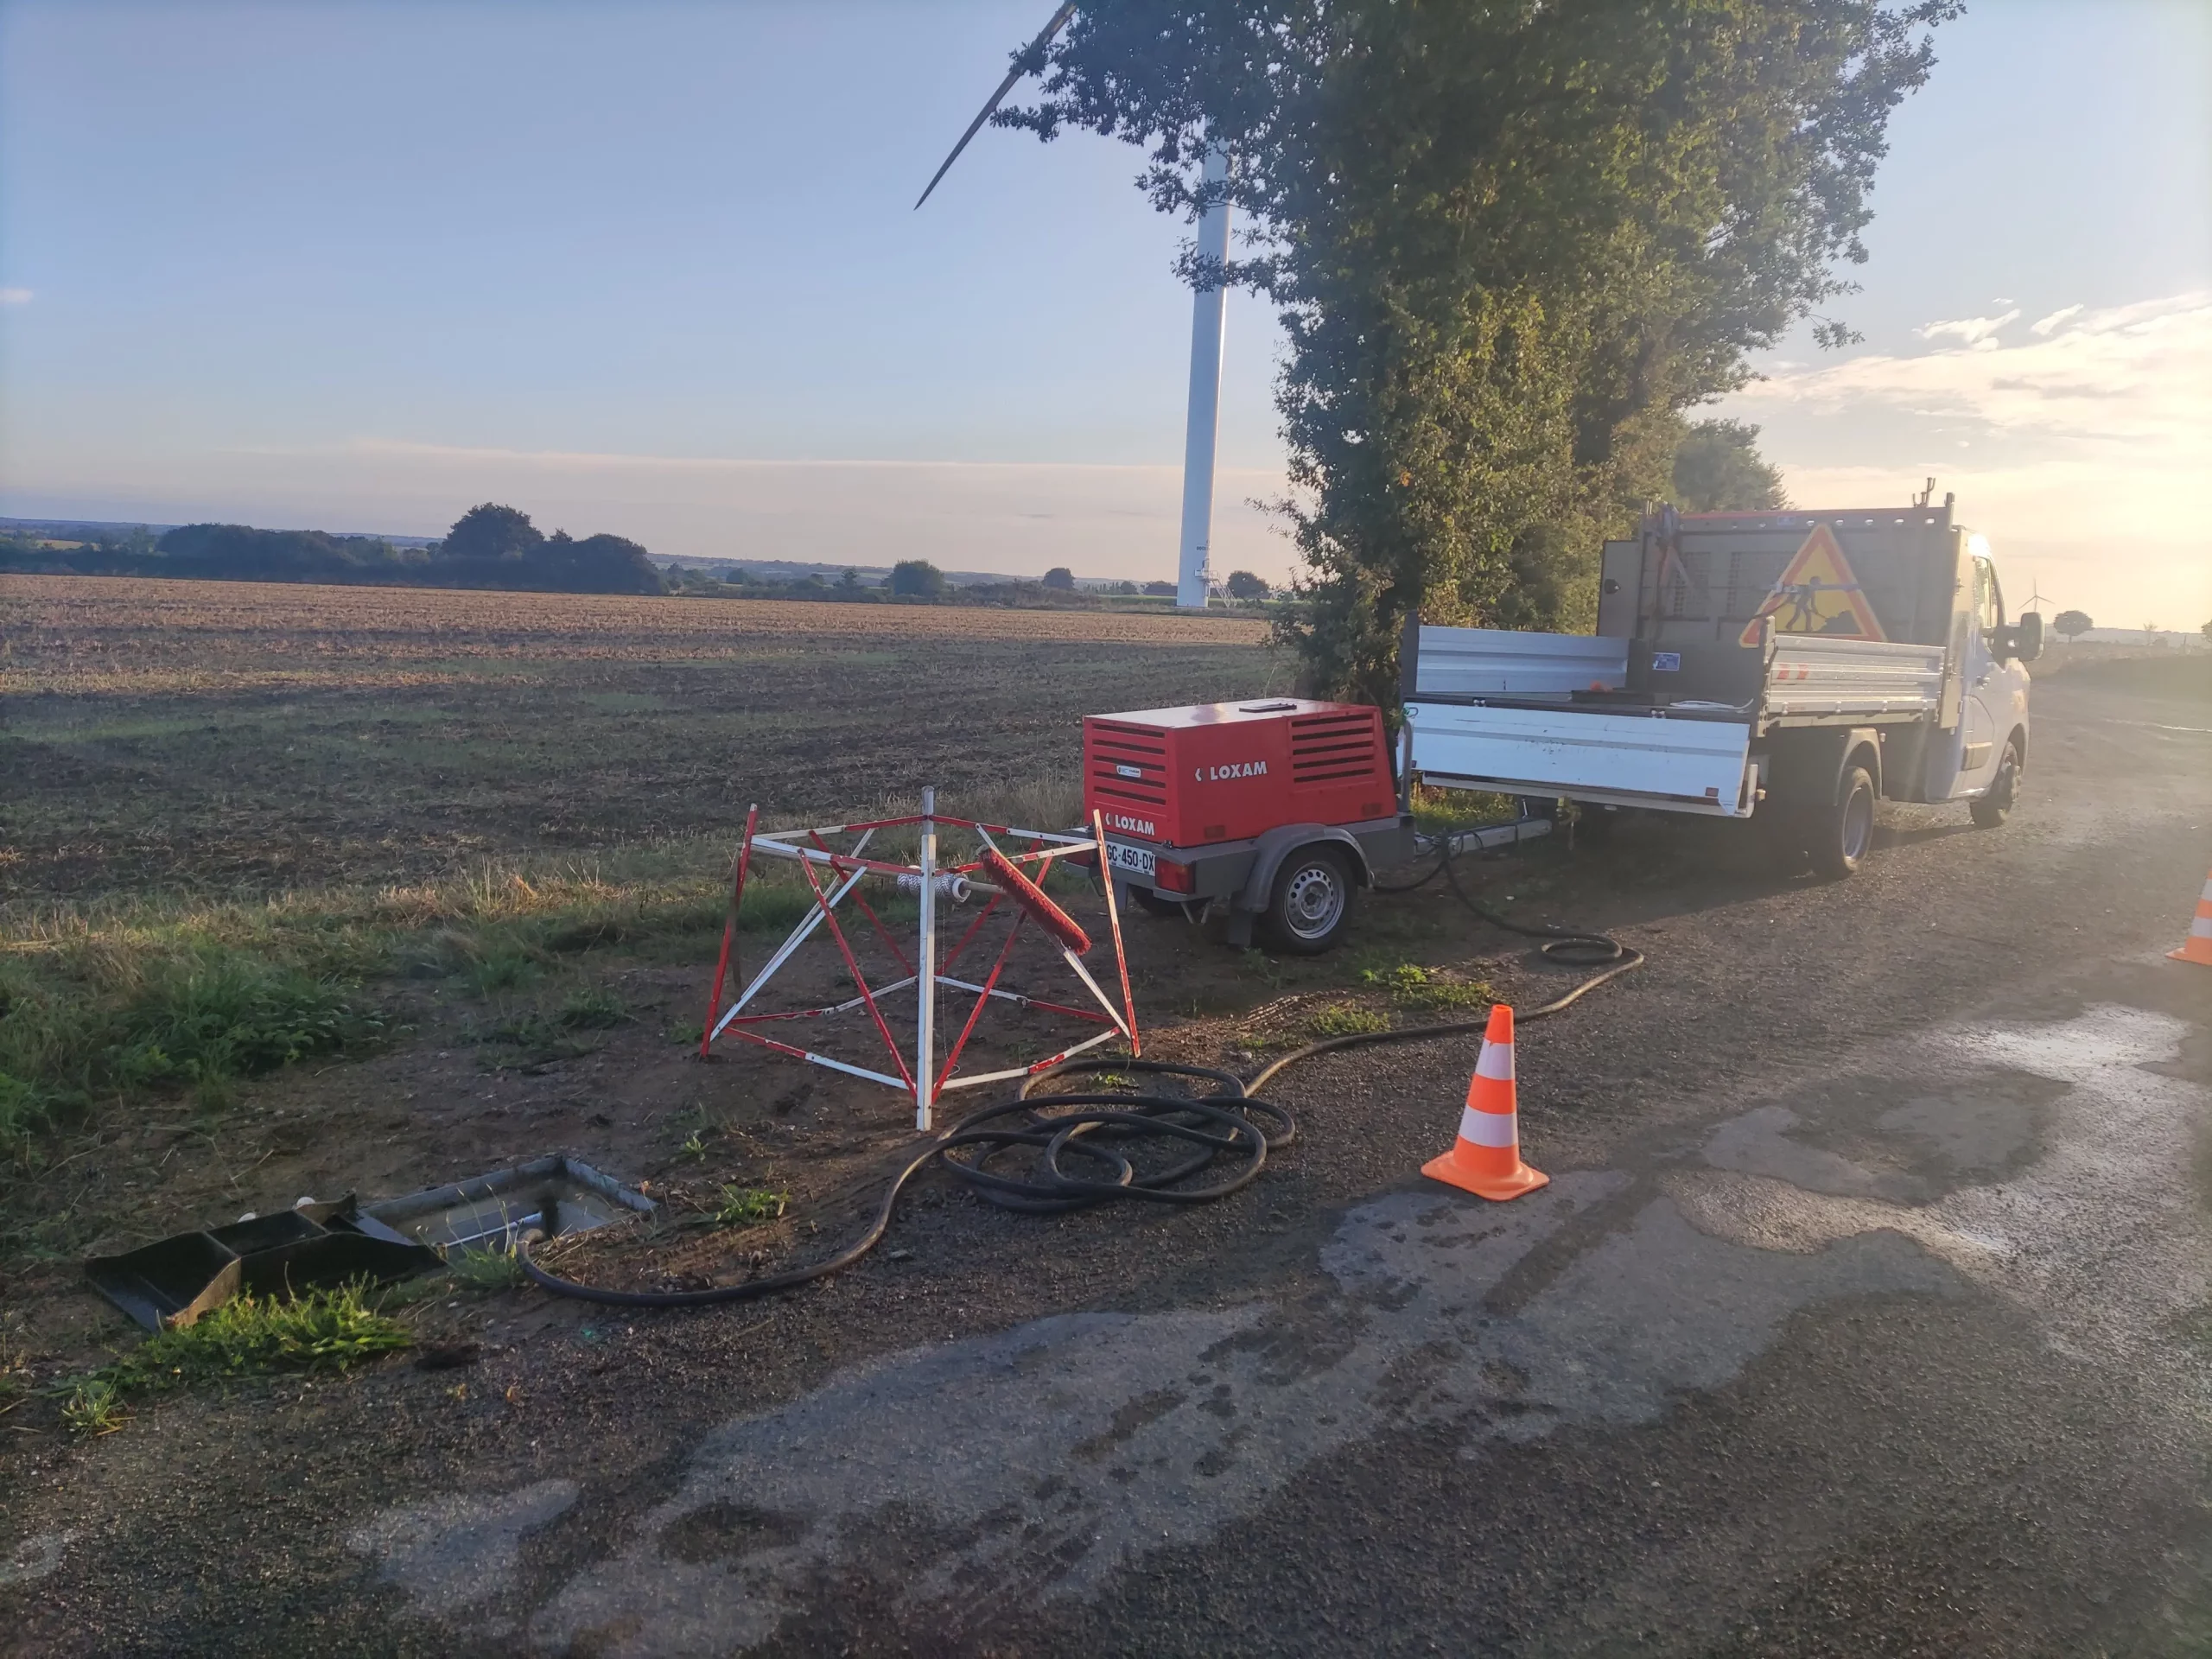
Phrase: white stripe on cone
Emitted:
{"points": [[1496, 1062], [1488, 1128], [2201, 928]]}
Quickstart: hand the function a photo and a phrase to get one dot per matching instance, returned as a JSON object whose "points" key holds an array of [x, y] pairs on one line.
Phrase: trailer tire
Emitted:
{"points": [[1841, 835], [1311, 902], [1994, 805]]}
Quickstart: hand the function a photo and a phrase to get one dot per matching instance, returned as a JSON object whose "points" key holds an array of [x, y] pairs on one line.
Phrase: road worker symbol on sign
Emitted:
{"points": [[1817, 593]]}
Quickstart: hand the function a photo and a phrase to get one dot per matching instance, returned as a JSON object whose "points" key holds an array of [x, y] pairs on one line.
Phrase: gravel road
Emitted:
{"points": [[1867, 1313]]}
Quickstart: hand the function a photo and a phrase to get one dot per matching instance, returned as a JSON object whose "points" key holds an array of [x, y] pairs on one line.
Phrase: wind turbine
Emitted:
{"points": [[2037, 598], [1193, 572]]}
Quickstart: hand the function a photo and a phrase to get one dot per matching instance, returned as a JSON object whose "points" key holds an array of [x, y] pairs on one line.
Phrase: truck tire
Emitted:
{"points": [[1839, 836], [1993, 807], [1311, 902]]}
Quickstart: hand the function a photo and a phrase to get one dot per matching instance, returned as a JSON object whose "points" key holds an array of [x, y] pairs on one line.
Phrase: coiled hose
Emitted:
{"points": [[1230, 1125]]}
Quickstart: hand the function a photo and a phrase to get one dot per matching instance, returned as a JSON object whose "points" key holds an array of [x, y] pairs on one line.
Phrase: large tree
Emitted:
{"points": [[1718, 468], [1510, 239], [491, 532]]}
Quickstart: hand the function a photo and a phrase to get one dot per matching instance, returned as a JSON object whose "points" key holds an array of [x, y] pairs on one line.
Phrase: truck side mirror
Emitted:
{"points": [[2027, 636]]}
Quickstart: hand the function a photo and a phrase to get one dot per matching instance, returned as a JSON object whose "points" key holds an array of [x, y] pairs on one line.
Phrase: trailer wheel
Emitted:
{"points": [[1311, 901], [1993, 807], [1841, 835]]}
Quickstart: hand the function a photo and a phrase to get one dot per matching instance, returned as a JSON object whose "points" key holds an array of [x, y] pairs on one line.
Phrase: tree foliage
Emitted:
{"points": [[1511, 241], [2071, 624], [1060, 578], [489, 546], [492, 531], [917, 578], [1243, 584], [1719, 469]]}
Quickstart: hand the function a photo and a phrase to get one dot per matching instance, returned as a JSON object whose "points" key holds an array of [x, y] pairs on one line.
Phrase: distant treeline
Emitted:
{"points": [[911, 581], [489, 546]]}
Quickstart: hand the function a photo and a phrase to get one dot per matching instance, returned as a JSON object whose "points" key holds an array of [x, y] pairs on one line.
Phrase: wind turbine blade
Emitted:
{"points": [[1021, 68]]}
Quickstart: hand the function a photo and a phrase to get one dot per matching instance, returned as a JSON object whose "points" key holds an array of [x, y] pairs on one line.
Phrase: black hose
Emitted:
{"points": [[1226, 1125], [1093, 1126]]}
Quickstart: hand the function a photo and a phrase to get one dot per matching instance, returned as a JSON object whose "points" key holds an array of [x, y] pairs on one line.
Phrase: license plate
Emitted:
{"points": [[1130, 860]]}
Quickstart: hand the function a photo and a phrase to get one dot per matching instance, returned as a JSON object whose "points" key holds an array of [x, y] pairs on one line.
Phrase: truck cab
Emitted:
{"points": [[1981, 760]]}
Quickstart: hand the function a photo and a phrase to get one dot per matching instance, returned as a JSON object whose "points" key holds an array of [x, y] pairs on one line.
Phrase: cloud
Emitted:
{"points": [[14, 297], [2139, 376], [2043, 326], [1970, 330]]}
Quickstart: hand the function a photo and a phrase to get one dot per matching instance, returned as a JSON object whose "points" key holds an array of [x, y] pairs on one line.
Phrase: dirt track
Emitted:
{"points": [[1867, 1312]]}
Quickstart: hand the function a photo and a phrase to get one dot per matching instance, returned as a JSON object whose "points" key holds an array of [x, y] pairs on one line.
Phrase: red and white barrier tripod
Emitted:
{"points": [[1009, 890]]}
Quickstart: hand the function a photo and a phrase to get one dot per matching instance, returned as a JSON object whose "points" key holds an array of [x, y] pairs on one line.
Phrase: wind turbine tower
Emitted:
{"points": [[1209, 318], [1209, 327]]}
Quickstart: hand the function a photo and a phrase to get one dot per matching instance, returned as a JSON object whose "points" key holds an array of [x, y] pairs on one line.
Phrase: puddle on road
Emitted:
{"points": [[1039, 1462], [2094, 1238]]}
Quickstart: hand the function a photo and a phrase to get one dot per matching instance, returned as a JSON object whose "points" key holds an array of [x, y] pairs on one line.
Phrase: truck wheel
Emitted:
{"points": [[1840, 836], [1992, 808], [1312, 899]]}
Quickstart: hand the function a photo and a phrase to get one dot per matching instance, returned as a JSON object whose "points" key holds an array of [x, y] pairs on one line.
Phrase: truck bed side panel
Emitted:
{"points": [[1814, 675], [1689, 765], [1500, 662]]}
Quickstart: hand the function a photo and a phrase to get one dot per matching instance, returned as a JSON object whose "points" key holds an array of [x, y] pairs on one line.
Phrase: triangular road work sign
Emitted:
{"points": [[1817, 593]]}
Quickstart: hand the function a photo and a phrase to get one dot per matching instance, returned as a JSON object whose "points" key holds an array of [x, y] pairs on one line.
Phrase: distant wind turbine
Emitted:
{"points": [[1194, 572]]}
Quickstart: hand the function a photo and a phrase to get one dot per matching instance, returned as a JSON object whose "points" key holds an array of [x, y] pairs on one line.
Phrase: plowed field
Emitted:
{"points": [[215, 736]]}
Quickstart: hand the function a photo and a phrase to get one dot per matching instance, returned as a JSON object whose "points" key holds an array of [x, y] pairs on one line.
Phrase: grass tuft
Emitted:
{"points": [[1410, 985], [1346, 1020], [749, 1206], [321, 1331], [93, 1406], [487, 1270]]}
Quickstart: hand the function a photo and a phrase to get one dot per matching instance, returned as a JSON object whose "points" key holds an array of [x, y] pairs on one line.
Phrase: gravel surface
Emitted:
{"points": [[1866, 1313]]}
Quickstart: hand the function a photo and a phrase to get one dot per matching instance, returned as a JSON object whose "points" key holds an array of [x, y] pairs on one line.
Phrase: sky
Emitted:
{"points": [[654, 269]]}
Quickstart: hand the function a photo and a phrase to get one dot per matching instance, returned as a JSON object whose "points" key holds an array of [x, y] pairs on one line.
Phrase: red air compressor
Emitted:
{"points": [[1281, 808]]}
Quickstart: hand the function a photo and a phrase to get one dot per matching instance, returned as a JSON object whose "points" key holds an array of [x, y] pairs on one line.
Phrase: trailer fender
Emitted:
{"points": [[1279, 843]]}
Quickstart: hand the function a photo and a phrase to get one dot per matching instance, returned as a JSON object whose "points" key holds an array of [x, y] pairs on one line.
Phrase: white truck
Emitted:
{"points": [[1793, 666]]}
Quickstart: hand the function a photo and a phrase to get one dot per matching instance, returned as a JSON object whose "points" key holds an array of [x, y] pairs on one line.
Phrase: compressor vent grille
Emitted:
{"points": [[1332, 748], [1117, 750]]}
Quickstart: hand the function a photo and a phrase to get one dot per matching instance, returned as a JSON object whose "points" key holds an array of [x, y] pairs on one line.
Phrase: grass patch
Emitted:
{"points": [[749, 1206], [1437, 809], [324, 1331], [486, 1270], [1347, 1019], [1412, 986], [90, 1018], [544, 1036], [92, 1406]]}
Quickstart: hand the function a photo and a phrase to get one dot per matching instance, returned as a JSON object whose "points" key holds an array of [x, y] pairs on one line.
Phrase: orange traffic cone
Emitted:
{"points": [[2197, 947], [1486, 1158]]}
